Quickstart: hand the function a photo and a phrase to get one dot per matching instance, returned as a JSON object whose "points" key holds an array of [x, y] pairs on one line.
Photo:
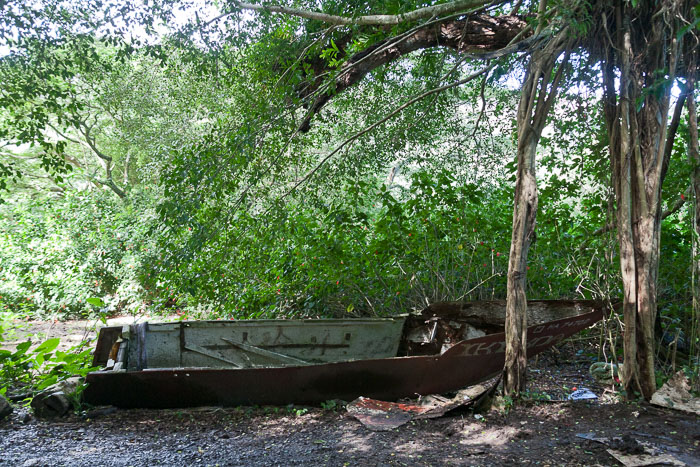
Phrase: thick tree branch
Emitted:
{"points": [[477, 34], [92, 144], [434, 11], [671, 133], [105, 159]]}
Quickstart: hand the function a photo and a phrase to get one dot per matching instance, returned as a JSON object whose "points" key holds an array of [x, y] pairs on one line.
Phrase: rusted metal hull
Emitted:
{"points": [[467, 362]]}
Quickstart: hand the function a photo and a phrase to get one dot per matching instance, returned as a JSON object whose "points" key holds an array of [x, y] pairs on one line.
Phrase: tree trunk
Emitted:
{"points": [[524, 217], [640, 144], [538, 95], [694, 158], [127, 164], [638, 195]]}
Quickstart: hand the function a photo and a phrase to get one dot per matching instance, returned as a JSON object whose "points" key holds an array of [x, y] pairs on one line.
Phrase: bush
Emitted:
{"points": [[368, 251], [55, 254], [32, 368]]}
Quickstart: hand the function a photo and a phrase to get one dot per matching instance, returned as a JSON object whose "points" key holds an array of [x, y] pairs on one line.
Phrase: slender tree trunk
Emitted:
{"points": [[538, 95], [127, 164], [623, 189], [524, 217], [649, 231]]}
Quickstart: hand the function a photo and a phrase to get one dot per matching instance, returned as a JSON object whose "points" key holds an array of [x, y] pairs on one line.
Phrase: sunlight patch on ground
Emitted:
{"points": [[412, 449], [356, 443], [493, 436], [71, 332]]}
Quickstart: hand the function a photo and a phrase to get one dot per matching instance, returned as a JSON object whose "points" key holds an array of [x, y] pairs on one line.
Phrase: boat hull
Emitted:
{"points": [[465, 363]]}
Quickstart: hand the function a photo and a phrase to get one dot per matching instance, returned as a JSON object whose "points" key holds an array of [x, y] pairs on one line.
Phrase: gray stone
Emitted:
{"points": [[56, 400], [5, 408]]}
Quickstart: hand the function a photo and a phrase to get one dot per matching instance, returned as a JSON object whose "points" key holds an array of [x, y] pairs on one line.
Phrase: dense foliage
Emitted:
{"points": [[58, 253], [376, 250], [416, 211]]}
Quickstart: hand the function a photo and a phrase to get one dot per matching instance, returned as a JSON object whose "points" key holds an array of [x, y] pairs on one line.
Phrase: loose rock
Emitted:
{"points": [[56, 400], [5, 408]]}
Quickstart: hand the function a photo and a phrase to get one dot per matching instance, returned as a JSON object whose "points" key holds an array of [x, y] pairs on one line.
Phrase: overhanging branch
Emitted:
{"points": [[371, 20], [384, 119], [479, 34]]}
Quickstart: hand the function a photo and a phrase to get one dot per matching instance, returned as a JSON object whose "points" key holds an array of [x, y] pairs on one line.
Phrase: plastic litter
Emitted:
{"points": [[582, 394]]}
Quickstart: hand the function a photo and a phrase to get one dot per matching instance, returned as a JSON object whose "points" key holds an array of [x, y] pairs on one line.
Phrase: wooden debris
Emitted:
{"points": [[631, 452], [381, 415]]}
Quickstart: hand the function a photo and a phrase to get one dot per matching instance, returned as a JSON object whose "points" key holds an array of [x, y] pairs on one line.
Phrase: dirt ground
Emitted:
{"points": [[535, 432], [70, 332]]}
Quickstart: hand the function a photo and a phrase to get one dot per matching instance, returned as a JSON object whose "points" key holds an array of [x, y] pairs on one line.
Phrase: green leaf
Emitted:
{"points": [[694, 25], [51, 380], [95, 302], [22, 348], [48, 346]]}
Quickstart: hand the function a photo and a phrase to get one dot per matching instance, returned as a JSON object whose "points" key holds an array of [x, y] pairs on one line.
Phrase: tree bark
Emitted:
{"points": [[524, 217], [105, 160], [536, 100], [433, 11], [640, 144], [694, 159]]}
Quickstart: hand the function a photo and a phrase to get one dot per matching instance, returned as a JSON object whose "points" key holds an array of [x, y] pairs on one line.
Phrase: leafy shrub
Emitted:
{"points": [[31, 368], [54, 254], [367, 251]]}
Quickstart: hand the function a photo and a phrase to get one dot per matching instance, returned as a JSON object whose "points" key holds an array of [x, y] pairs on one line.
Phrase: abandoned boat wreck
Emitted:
{"points": [[192, 363]]}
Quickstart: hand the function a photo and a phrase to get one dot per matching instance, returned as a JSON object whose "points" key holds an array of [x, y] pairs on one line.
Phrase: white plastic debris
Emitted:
{"points": [[582, 394]]}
